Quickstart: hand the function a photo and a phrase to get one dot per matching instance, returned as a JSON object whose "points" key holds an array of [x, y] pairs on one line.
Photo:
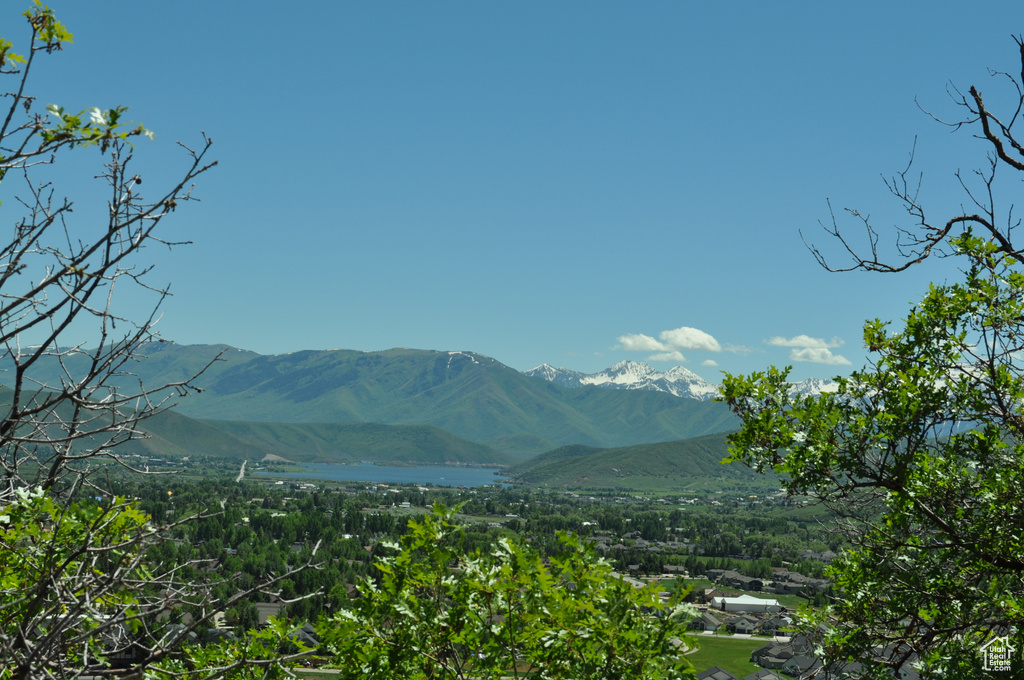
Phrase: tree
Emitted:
{"points": [[80, 595], [77, 593], [58, 273], [919, 454], [437, 611]]}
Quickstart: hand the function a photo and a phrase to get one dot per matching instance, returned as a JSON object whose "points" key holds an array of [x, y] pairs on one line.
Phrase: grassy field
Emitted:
{"points": [[726, 652]]}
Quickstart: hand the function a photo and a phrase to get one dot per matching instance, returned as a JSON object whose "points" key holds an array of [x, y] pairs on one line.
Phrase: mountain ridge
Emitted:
{"points": [[692, 464], [637, 375], [469, 395]]}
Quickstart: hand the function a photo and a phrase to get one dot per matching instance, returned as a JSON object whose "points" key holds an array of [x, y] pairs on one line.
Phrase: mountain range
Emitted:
{"points": [[636, 375], [424, 406], [469, 395]]}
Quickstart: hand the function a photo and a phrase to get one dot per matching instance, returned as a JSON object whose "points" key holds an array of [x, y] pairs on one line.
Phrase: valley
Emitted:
{"points": [[627, 429], [706, 542], [328, 457]]}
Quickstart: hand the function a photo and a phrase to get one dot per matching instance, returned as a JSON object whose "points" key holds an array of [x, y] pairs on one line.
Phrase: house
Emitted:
{"points": [[826, 556], [218, 635], [716, 673], [307, 635], [772, 656], [708, 594], [742, 625], [265, 610], [763, 674], [787, 588], [902, 651], [839, 670], [791, 582], [705, 622], [734, 579], [748, 583], [775, 625], [121, 650], [802, 644], [801, 666]]}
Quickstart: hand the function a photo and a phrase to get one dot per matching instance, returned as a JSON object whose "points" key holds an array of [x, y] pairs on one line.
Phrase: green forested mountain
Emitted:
{"points": [[355, 442], [690, 464], [470, 395], [172, 434]]}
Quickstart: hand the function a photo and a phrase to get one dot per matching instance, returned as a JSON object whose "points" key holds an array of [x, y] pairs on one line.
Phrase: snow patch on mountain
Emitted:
{"points": [[636, 375], [560, 376], [452, 355]]}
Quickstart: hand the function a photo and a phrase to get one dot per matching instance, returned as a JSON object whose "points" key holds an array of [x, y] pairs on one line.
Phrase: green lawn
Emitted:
{"points": [[726, 652]]}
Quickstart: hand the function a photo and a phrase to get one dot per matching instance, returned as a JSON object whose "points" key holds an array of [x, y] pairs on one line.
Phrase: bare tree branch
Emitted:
{"points": [[78, 584], [925, 238]]}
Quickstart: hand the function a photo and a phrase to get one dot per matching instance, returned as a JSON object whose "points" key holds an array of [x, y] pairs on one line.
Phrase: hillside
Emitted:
{"points": [[690, 464], [358, 442], [174, 435]]}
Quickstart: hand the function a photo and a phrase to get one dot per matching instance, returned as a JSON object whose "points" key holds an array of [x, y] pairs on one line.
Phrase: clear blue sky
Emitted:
{"points": [[538, 182]]}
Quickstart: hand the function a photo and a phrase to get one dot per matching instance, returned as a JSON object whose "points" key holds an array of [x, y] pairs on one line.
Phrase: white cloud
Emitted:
{"points": [[804, 341], [667, 356], [811, 350], [671, 344], [818, 355], [638, 342], [709, 362], [685, 337]]}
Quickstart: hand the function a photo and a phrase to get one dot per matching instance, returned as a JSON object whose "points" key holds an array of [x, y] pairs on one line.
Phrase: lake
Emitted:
{"points": [[438, 475]]}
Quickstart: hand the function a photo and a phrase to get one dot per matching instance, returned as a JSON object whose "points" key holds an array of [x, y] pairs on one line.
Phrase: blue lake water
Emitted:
{"points": [[438, 475]]}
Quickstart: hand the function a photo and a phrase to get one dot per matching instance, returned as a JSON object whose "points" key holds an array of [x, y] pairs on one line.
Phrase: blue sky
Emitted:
{"points": [[574, 183]]}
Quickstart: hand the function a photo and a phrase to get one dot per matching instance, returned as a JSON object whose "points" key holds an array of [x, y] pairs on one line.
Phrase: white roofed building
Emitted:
{"points": [[745, 603]]}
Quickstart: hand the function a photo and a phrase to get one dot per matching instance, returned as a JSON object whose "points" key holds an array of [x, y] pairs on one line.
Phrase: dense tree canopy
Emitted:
{"points": [[440, 611]]}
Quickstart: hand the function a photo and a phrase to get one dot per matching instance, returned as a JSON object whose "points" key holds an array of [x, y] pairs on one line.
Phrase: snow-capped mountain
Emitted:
{"points": [[632, 375], [559, 376], [636, 375], [813, 386]]}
